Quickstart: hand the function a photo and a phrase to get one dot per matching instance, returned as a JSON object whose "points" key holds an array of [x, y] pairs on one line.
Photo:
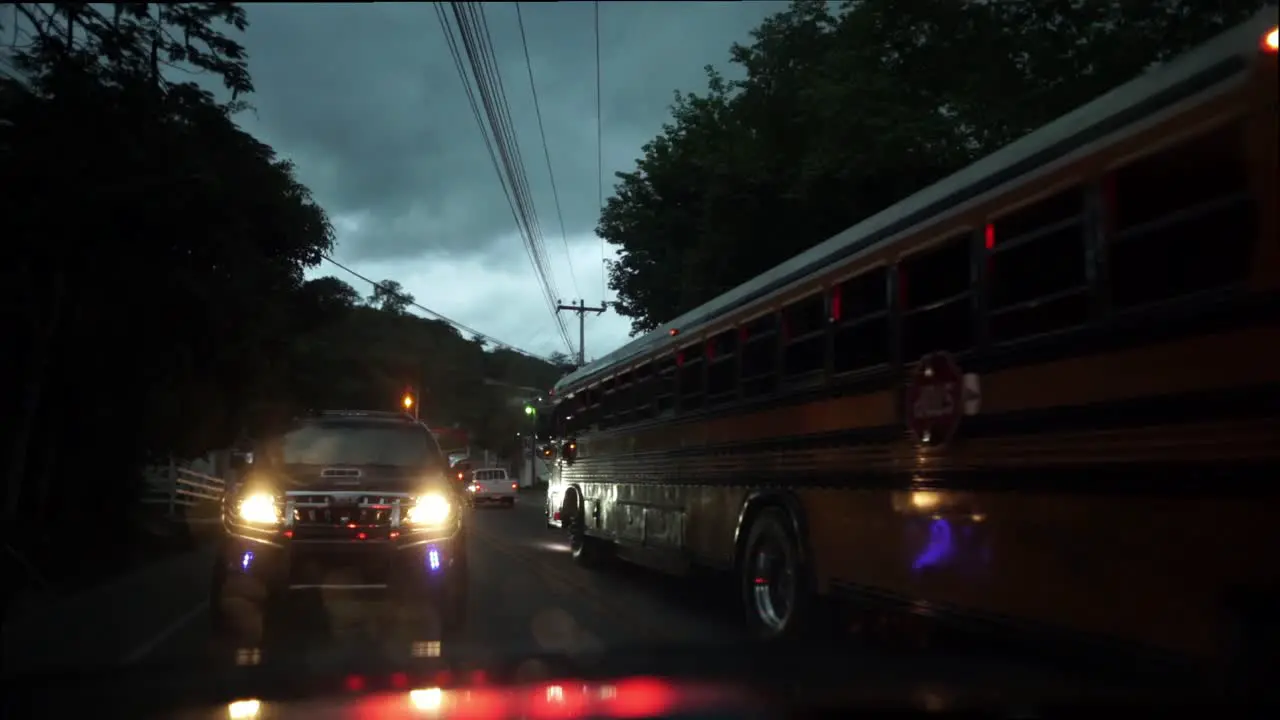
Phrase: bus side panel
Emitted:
{"points": [[698, 519], [1158, 571], [1081, 497], [714, 511]]}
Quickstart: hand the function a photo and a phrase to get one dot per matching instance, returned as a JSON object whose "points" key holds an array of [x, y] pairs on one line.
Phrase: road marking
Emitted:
{"points": [[150, 645]]}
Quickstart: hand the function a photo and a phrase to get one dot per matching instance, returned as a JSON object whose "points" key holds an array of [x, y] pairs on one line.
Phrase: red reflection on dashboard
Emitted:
{"points": [[640, 697], [554, 701]]}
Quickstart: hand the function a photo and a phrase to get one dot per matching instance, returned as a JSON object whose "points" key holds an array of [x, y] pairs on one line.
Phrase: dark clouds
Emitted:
{"points": [[366, 98]]}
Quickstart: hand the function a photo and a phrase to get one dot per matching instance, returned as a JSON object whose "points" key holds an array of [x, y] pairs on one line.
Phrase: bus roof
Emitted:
{"points": [[1213, 63]]}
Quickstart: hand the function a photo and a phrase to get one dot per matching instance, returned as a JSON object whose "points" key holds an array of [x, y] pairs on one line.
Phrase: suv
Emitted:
{"points": [[344, 501]]}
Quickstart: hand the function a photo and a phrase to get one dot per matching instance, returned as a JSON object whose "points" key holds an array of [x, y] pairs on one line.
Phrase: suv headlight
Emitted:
{"points": [[259, 508], [430, 510]]}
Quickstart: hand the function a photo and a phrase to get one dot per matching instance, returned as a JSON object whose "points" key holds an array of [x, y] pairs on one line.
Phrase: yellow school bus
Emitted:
{"points": [[1042, 394]]}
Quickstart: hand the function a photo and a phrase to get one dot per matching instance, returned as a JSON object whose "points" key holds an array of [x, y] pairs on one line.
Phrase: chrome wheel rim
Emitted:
{"points": [[773, 586]]}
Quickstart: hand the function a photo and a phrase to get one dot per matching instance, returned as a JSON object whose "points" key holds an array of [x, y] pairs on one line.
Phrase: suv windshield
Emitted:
{"points": [[356, 443]]}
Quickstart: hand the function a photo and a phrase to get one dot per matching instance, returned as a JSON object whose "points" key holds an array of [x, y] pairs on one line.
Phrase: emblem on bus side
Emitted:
{"points": [[938, 397]]}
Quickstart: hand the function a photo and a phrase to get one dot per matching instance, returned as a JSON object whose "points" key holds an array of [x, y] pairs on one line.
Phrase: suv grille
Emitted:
{"points": [[345, 509]]}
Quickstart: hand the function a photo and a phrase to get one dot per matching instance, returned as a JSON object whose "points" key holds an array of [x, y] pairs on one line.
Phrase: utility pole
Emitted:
{"points": [[581, 309], [532, 413]]}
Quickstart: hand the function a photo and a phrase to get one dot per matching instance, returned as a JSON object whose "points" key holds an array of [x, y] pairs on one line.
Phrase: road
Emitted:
{"points": [[528, 599]]}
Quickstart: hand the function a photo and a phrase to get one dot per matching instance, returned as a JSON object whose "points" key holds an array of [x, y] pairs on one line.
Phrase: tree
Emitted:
{"points": [[844, 111], [156, 254], [562, 362], [391, 296], [154, 279]]}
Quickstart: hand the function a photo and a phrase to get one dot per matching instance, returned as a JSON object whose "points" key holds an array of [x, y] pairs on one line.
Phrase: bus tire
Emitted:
{"points": [[775, 585], [586, 550]]}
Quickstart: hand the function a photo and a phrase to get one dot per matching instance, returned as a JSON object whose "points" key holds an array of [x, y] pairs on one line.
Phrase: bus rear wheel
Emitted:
{"points": [[586, 550], [774, 583]]}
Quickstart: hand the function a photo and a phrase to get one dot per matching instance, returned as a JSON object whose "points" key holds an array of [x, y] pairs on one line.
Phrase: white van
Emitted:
{"points": [[492, 485]]}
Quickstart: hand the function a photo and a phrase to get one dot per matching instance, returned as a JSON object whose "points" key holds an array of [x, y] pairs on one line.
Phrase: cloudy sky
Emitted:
{"points": [[365, 98]]}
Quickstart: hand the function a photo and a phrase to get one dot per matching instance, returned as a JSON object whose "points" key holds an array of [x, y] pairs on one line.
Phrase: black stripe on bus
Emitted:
{"points": [[1185, 318], [1255, 402], [1252, 478]]}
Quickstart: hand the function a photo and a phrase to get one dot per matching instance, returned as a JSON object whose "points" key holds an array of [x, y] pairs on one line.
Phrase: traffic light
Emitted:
{"points": [[407, 401], [529, 410]]}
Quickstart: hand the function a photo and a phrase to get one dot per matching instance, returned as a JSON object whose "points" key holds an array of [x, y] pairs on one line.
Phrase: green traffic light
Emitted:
{"points": [[528, 410]]}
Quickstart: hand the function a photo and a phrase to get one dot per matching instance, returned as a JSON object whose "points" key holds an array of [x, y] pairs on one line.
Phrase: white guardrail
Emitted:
{"points": [[177, 486]]}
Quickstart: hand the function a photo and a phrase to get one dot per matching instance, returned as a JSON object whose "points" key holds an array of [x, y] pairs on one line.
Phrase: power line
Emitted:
{"points": [[475, 41], [496, 136], [546, 151], [487, 338], [604, 283]]}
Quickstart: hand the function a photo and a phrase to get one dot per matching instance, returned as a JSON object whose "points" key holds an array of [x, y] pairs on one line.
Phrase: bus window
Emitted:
{"points": [[692, 385], [936, 298], [758, 342], [1181, 220], [624, 398], [608, 403], [722, 367], [666, 385], [860, 314], [1036, 277], [591, 413], [804, 338], [569, 416], [645, 387]]}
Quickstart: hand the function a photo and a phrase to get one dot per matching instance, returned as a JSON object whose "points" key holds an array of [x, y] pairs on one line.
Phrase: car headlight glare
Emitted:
{"points": [[259, 508], [430, 510]]}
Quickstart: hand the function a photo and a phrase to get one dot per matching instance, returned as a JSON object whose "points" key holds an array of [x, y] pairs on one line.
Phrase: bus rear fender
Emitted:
{"points": [[570, 498], [758, 500]]}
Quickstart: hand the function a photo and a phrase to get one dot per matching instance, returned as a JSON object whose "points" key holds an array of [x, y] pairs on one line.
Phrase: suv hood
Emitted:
{"points": [[361, 477]]}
